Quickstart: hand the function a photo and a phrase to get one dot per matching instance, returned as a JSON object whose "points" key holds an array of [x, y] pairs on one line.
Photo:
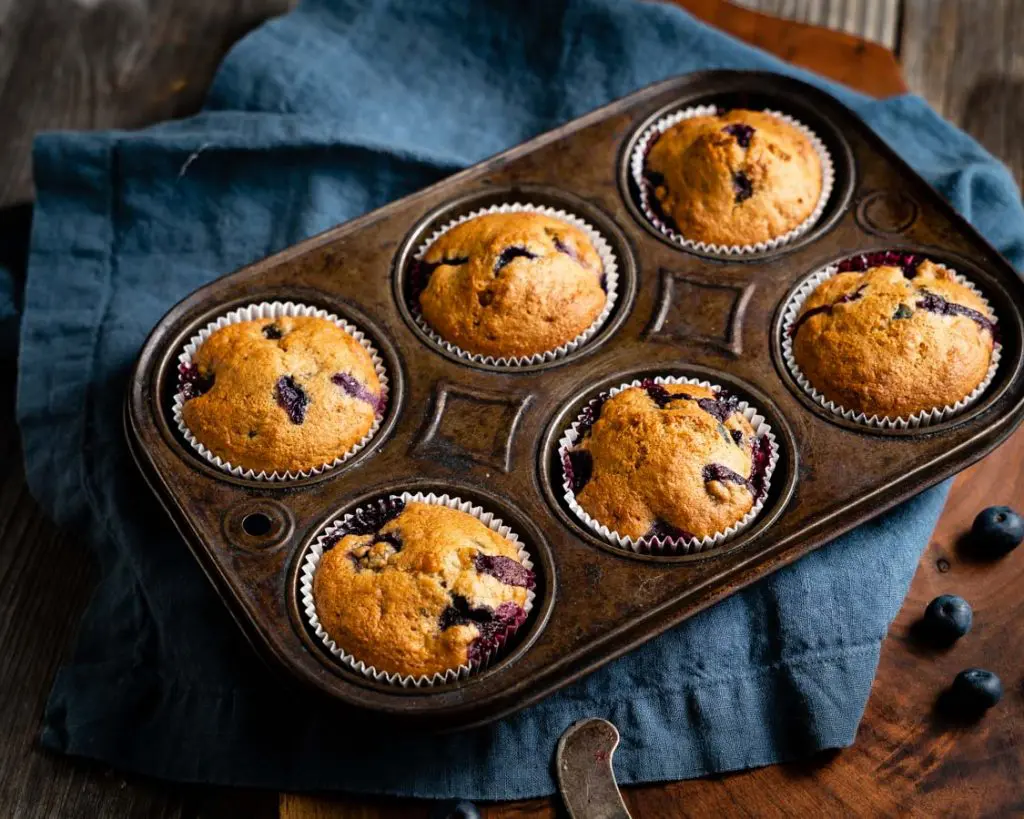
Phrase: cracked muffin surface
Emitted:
{"points": [[899, 337], [667, 460], [736, 178], [290, 393], [511, 284], [420, 589]]}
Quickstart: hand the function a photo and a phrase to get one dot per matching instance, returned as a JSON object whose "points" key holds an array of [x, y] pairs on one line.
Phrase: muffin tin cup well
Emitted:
{"points": [[658, 545], [263, 311], [609, 264], [638, 159], [918, 420], [336, 528]]}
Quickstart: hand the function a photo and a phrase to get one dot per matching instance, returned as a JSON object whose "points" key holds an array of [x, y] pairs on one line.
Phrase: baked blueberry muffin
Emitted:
{"points": [[666, 460], [416, 589], [893, 335], [511, 284], [737, 178], [283, 394]]}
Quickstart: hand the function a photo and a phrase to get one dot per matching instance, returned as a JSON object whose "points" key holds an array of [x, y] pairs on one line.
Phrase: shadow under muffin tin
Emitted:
{"points": [[489, 435]]}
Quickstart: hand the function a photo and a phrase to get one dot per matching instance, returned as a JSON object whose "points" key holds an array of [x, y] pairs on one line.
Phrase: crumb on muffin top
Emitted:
{"points": [[737, 178], [421, 589], [667, 460], [283, 394], [894, 339], [511, 284]]}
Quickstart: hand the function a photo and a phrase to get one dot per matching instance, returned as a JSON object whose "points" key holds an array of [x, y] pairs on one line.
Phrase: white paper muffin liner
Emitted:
{"points": [[609, 264], [667, 545], [639, 158], [917, 420], [263, 311], [316, 552]]}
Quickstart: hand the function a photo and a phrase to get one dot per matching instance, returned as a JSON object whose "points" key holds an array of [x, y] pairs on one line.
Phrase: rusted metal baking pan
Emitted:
{"points": [[489, 436]]}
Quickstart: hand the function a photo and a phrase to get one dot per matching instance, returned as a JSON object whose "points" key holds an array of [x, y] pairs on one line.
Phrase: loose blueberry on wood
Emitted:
{"points": [[976, 690], [948, 618], [997, 530]]}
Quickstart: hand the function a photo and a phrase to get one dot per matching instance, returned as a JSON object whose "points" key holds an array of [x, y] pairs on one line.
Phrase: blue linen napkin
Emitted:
{"points": [[315, 118]]}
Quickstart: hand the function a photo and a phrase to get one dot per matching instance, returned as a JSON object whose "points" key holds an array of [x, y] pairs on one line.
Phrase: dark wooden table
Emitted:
{"points": [[102, 64]]}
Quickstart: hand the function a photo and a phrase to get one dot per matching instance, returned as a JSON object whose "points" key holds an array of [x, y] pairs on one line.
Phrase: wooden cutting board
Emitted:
{"points": [[908, 759]]}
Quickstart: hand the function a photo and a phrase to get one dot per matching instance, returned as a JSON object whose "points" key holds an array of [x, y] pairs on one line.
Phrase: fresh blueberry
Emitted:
{"points": [[948, 618], [455, 809], [997, 530], [976, 690]]}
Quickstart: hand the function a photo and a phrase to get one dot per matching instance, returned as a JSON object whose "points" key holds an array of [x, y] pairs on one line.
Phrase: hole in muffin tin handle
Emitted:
{"points": [[258, 525]]}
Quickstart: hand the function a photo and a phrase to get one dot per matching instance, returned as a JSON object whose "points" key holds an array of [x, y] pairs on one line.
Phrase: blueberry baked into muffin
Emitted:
{"points": [[511, 284], [283, 394], [666, 460], [893, 334], [416, 589], [737, 178]]}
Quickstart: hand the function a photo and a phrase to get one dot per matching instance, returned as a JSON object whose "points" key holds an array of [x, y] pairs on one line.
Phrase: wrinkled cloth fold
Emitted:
{"points": [[313, 119]]}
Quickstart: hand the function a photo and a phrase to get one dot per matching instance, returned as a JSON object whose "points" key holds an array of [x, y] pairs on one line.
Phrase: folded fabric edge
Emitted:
{"points": [[750, 727]]}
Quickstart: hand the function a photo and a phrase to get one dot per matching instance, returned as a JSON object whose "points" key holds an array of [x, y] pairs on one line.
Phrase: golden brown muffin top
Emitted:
{"points": [[738, 178], [284, 394], [512, 284], [893, 341], [427, 590], [666, 460]]}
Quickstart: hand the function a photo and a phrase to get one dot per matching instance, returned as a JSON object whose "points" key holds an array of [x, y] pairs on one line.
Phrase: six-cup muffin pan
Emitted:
{"points": [[489, 434]]}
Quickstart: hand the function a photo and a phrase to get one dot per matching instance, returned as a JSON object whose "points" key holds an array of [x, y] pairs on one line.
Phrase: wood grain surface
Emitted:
{"points": [[851, 60], [875, 20], [107, 64], [125, 63], [967, 60]]}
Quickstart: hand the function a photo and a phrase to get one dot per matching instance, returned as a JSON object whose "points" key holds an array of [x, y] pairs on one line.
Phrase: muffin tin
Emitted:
{"points": [[489, 434]]}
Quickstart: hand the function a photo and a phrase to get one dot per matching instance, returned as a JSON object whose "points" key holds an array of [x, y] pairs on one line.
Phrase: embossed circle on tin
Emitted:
{"points": [[886, 213]]}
